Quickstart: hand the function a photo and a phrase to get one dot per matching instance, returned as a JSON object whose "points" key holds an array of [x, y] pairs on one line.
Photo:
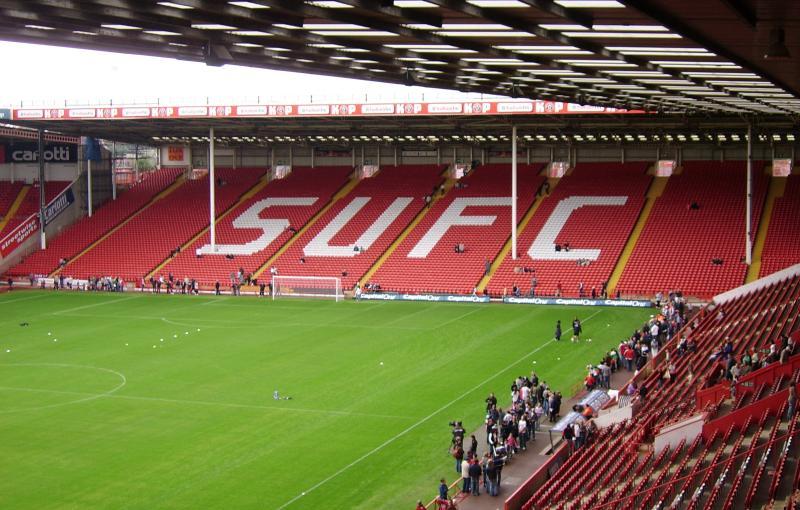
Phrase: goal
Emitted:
{"points": [[307, 286]]}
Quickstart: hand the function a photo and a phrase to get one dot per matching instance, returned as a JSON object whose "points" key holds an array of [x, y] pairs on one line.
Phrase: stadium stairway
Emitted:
{"points": [[497, 262], [777, 187], [15, 205], [165, 193], [258, 186], [346, 189], [448, 185], [655, 191]]}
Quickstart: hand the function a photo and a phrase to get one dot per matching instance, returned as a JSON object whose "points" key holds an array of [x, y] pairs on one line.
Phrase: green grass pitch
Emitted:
{"points": [[97, 412]]}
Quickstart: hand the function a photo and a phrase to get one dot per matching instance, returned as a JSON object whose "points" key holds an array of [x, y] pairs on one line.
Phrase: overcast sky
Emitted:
{"points": [[35, 74]]}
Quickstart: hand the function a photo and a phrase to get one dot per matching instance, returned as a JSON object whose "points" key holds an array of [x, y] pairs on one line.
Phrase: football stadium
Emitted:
{"points": [[440, 254]]}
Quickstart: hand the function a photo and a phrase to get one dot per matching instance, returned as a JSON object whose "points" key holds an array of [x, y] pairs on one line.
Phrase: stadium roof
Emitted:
{"points": [[660, 55]]}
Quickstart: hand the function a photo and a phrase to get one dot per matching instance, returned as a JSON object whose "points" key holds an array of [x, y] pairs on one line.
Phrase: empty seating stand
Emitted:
{"points": [[85, 231], [30, 205], [147, 240], [377, 210], [426, 263], [8, 193], [679, 242], [238, 232], [749, 463], [609, 198], [782, 247]]}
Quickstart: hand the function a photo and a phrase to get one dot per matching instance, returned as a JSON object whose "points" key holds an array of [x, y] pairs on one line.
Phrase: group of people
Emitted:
{"points": [[508, 432], [732, 367], [170, 285]]}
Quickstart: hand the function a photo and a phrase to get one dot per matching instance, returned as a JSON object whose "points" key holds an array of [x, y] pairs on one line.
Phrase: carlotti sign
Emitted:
{"points": [[29, 153], [58, 205], [624, 303]]}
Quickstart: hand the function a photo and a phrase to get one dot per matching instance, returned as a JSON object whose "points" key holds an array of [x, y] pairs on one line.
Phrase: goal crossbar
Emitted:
{"points": [[307, 286]]}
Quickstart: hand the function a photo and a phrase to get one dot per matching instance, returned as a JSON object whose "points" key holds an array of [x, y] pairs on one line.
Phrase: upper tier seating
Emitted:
{"points": [[782, 248], [371, 216], [140, 245], [8, 193], [320, 183], [437, 267], [739, 454], [676, 248], [87, 230], [596, 227], [30, 205]]}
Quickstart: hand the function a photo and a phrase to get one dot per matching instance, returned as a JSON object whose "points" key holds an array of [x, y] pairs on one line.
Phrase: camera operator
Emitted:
{"points": [[458, 432]]}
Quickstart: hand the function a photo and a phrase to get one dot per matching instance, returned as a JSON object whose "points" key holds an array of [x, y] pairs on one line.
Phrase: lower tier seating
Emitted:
{"points": [[782, 248], [475, 215], [140, 245], [742, 460], [245, 236], [85, 231], [371, 217], [694, 239], [30, 205], [578, 233]]}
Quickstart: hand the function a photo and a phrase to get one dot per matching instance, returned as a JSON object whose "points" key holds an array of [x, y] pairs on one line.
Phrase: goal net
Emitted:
{"points": [[307, 286]]}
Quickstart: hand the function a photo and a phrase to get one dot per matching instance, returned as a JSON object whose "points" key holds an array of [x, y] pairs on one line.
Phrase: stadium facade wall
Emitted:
{"points": [[29, 172], [418, 153]]}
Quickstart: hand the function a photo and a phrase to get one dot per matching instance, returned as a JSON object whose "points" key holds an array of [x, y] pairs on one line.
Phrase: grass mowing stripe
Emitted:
{"points": [[172, 437], [102, 303], [417, 424], [111, 394], [28, 298]]}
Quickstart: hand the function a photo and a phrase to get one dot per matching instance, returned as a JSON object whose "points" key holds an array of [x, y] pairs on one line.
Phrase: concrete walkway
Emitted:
{"points": [[524, 464]]}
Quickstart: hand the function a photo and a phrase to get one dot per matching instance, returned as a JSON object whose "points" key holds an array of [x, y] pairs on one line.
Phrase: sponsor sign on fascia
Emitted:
{"points": [[584, 108], [136, 112], [81, 113], [251, 110], [377, 109], [30, 114], [514, 107], [55, 153], [192, 111], [313, 109], [444, 108]]}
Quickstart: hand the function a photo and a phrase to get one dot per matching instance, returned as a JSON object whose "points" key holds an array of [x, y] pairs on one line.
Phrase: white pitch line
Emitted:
{"points": [[87, 396], [414, 426], [103, 303], [425, 419], [454, 319], [92, 396], [12, 301]]}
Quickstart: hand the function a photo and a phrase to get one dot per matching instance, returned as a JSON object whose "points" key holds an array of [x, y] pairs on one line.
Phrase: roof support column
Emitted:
{"points": [[212, 181], [40, 159], [113, 170], [514, 192], [748, 255], [89, 182]]}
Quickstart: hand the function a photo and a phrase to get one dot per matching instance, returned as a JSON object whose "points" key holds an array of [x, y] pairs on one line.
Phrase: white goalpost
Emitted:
{"points": [[307, 286]]}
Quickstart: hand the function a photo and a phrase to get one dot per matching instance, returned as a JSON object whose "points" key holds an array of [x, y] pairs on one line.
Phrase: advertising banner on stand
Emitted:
{"points": [[19, 235]]}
